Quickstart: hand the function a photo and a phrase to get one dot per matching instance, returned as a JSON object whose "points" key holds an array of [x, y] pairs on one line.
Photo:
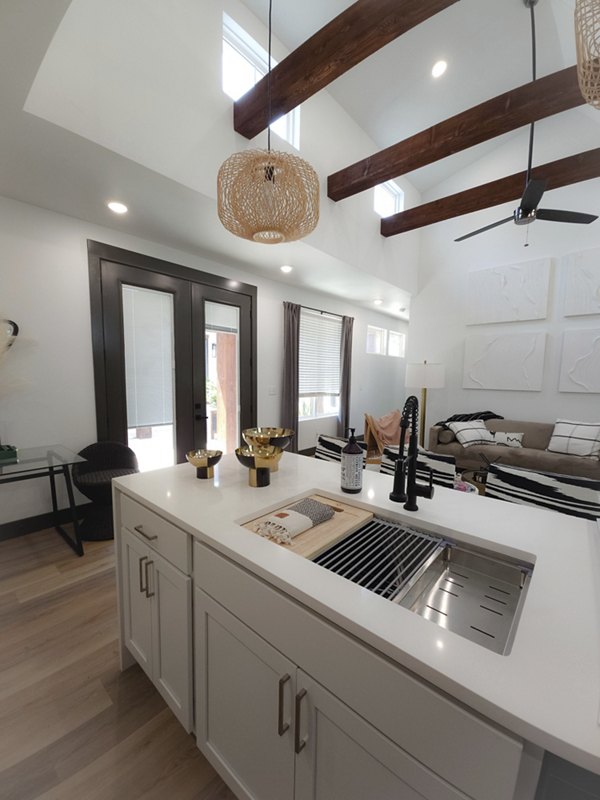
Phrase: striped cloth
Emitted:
{"points": [[443, 467], [329, 448], [567, 494]]}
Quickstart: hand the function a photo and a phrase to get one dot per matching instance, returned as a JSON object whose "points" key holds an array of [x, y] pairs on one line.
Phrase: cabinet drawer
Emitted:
{"points": [[168, 540], [470, 753]]}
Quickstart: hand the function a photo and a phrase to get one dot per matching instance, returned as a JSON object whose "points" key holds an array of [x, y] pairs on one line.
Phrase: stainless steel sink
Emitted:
{"points": [[475, 593]]}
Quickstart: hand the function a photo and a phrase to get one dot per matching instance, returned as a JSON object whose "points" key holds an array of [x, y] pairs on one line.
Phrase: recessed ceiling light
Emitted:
{"points": [[377, 302], [286, 268], [439, 68], [118, 208], [233, 284]]}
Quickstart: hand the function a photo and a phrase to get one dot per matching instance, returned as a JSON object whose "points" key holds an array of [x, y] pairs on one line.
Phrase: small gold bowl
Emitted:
{"points": [[261, 461], [204, 461], [264, 437]]}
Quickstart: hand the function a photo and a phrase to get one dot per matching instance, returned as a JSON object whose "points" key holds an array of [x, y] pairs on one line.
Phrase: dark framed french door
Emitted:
{"points": [[174, 356]]}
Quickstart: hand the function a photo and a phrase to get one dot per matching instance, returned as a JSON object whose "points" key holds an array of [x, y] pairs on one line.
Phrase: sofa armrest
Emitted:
{"points": [[434, 432]]}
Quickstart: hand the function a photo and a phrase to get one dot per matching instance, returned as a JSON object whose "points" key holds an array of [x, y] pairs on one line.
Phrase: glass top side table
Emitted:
{"points": [[47, 461]]}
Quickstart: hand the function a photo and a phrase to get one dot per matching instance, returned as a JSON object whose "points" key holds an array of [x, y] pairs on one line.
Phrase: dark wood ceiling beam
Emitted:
{"points": [[564, 172], [358, 32], [507, 112]]}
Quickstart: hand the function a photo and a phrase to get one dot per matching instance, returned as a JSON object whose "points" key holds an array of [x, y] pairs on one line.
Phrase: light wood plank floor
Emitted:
{"points": [[72, 726]]}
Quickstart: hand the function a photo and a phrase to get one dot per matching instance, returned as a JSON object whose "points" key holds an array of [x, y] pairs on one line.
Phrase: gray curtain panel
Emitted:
{"points": [[345, 377], [289, 394]]}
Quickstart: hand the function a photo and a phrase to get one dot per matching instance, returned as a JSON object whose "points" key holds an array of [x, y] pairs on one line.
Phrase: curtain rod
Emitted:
{"points": [[320, 311]]}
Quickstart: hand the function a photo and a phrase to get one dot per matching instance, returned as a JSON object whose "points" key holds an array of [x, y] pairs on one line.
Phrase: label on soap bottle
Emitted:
{"points": [[352, 469]]}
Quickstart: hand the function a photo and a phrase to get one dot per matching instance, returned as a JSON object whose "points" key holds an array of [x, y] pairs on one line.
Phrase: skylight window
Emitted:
{"points": [[388, 199], [245, 62]]}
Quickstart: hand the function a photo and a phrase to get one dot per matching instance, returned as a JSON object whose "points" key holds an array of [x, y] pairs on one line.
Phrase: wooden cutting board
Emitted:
{"points": [[309, 544]]}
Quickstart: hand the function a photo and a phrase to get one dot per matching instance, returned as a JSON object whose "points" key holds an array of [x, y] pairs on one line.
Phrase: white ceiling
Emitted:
{"points": [[391, 95]]}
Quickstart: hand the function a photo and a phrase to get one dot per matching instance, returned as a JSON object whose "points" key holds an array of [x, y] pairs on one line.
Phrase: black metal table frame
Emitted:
{"points": [[51, 472]]}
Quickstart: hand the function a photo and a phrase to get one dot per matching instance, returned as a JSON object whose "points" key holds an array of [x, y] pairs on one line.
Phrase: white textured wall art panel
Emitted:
{"points": [[509, 293], [504, 361], [582, 283], [580, 365]]}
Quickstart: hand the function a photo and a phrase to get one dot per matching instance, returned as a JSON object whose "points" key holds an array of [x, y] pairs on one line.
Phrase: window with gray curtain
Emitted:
{"points": [[320, 354]]}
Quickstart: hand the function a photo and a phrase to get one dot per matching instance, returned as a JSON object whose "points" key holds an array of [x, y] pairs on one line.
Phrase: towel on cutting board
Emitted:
{"points": [[283, 525]]}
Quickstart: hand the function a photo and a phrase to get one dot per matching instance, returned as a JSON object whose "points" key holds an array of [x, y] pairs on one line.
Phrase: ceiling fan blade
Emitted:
{"points": [[483, 230], [532, 195], [552, 215]]}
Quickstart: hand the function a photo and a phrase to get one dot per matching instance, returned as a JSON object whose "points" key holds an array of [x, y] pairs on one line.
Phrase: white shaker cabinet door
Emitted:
{"points": [[341, 757], [244, 705], [171, 594], [137, 606]]}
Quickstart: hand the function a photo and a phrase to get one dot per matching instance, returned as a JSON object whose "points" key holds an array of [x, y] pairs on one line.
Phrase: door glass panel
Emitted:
{"points": [[148, 333], [221, 338]]}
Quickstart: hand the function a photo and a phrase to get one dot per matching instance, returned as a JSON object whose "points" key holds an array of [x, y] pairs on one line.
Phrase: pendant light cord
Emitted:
{"points": [[269, 82], [534, 76]]}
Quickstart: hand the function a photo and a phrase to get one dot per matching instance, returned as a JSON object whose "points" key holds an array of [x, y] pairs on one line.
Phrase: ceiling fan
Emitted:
{"points": [[528, 210]]}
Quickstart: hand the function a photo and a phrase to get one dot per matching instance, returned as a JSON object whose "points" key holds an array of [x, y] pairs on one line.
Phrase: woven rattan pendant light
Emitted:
{"points": [[587, 37], [268, 196]]}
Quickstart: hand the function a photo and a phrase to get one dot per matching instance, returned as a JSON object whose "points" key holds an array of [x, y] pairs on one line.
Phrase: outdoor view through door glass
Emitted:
{"points": [[148, 331], [221, 337]]}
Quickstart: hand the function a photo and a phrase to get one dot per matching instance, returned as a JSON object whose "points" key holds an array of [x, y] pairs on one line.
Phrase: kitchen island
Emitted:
{"points": [[333, 682]]}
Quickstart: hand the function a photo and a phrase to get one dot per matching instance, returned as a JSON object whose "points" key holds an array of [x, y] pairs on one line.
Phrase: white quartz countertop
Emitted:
{"points": [[547, 689]]}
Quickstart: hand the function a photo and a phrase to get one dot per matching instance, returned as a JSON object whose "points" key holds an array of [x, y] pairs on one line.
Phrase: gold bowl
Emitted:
{"points": [[204, 461], [261, 461], [261, 437]]}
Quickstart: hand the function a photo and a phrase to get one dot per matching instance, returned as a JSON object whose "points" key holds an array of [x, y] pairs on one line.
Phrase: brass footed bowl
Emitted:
{"points": [[204, 461], [261, 461], [263, 437]]}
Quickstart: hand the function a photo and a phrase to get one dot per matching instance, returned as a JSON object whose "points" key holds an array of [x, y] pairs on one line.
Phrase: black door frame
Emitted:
{"points": [[107, 342]]}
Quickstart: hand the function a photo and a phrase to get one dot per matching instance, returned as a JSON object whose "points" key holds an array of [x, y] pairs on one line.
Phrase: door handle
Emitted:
{"points": [[299, 744], [147, 565], [142, 587], [140, 529], [282, 726]]}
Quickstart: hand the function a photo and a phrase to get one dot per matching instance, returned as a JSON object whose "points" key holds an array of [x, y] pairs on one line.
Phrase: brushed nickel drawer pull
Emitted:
{"points": [[140, 529], [299, 744], [282, 726], [142, 587], [146, 567]]}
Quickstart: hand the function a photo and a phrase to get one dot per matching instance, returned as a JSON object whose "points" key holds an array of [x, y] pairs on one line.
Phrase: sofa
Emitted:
{"points": [[532, 455]]}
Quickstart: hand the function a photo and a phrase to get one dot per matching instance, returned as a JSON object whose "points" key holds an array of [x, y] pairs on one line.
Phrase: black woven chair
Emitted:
{"points": [[105, 461]]}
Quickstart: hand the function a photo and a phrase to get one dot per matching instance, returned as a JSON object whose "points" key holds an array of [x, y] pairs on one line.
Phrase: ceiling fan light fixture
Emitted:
{"points": [[587, 40]]}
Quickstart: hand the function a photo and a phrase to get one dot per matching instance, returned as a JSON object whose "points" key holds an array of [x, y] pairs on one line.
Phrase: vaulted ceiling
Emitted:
{"points": [[67, 163]]}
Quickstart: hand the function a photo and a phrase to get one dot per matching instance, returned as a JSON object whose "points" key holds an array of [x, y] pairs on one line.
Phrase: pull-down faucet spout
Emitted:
{"points": [[405, 473]]}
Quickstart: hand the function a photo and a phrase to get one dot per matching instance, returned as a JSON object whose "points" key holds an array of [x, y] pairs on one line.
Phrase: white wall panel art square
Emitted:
{"points": [[509, 293], [504, 361], [582, 283], [580, 364]]}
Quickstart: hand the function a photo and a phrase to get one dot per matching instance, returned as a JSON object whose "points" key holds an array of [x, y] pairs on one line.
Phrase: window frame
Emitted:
{"points": [[395, 191], [286, 127]]}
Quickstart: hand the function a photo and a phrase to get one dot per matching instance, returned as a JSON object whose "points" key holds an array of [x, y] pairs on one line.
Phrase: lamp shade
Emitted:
{"points": [[587, 39], [268, 196], [425, 376]]}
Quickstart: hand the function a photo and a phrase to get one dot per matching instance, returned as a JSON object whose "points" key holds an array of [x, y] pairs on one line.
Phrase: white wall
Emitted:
{"points": [[46, 380], [438, 312]]}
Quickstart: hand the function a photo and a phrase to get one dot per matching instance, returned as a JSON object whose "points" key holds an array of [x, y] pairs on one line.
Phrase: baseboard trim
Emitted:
{"points": [[21, 527]]}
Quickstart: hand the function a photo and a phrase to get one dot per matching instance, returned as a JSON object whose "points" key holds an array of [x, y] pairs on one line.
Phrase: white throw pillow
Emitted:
{"points": [[509, 439], [575, 438], [470, 433]]}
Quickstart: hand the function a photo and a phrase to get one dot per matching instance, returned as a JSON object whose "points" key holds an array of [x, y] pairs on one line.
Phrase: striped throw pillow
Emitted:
{"points": [[329, 448], [567, 494], [471, 433], [443, 467], [575, 438]]}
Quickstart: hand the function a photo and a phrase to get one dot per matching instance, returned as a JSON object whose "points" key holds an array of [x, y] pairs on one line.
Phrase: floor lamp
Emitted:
{"points": [[424, 376]]}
